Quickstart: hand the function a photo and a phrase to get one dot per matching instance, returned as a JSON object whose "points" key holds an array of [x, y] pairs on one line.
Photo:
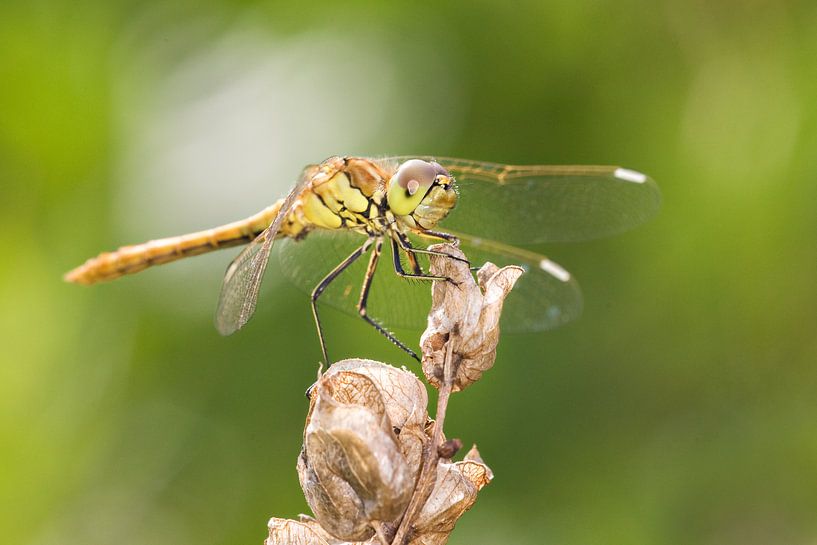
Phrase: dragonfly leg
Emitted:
{"points": [[453, 239], [415, 265], [398, 266], [364, 296], [319, 289], [448, 237], [406, 246]]}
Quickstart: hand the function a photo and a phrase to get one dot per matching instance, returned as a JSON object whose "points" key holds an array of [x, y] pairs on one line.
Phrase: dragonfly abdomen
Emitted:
{"points": [[132, 259]]}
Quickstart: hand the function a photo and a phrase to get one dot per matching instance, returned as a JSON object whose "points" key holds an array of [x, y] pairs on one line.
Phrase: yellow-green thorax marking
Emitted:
{"points": [[372, 198]]}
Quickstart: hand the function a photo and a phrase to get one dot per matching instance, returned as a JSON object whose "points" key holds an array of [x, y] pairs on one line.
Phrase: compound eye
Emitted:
{"points": [[439, 170], [409, 185], [415, 174]]}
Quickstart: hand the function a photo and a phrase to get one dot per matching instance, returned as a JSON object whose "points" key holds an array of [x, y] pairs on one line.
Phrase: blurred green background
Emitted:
{"points": [[682, 407]]}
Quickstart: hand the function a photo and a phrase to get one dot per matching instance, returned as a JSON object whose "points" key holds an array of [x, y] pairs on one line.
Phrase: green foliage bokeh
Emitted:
{"points": [[681, 407]]}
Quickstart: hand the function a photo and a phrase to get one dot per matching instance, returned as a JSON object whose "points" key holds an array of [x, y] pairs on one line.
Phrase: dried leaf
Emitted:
{"points": [[352, 468], [466, 312]]}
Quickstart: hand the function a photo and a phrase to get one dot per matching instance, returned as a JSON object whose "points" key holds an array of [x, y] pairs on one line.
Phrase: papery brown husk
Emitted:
{"points": [[455, 491], [466, 312], [355, 470], [304, 532], [405, 399]]}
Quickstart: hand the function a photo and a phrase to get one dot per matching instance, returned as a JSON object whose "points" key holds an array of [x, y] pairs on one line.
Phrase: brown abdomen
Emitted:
{"points": [[131, 259]]}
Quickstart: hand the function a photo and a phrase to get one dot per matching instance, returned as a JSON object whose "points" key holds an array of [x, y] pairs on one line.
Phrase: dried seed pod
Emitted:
{"points": [[352, 468], [405, 399], [455, 491], [475, 469], [466, 312], [303, 532], [293, 532]]}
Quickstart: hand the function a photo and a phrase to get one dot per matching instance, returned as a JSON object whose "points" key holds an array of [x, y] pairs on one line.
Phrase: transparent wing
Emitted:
{"points": [[542, 203], [239, 289], [545, 297], [393, 301]]}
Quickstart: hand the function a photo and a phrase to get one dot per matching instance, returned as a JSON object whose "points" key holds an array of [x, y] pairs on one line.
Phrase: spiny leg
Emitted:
{"points": [[413, 263], [319, 289], [406, 246], [448, 237], [402, 243], [364, 296], [398, 266]]}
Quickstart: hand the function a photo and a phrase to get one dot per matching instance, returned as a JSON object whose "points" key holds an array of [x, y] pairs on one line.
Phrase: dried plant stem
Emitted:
{"points": [[428, 473], [381, 533]]}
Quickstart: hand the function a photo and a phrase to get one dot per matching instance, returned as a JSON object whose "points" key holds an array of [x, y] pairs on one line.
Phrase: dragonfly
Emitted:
{"points": [[347, 207]]}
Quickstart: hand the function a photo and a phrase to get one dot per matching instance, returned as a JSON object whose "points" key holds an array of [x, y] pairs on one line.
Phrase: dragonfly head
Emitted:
{"points": [[421, 193]]}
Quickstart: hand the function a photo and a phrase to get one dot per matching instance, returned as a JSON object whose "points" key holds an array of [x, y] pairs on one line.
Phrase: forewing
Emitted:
{"points": [[546, 203], [239, 289]]}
